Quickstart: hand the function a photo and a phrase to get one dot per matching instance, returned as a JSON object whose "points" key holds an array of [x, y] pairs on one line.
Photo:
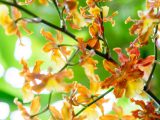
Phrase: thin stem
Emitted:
{"points": [[50, 98], [154, 65], [46, 108], [68, 45], [94, 101], [70, 59], [104, 39], [59, 13], [54, 26], [43, 111], [62, 22], [29, 20], [105, 43]]}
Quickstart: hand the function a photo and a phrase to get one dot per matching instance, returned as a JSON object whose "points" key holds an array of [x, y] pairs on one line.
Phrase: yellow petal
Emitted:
{"points": [[11, 28], [94, 11], [27, 93], [134, 87], [4, 17], [91, 113], [105, 10]]}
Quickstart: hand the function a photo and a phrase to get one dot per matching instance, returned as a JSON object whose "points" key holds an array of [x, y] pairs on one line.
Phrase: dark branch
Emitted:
{"points": [[105, 56]]}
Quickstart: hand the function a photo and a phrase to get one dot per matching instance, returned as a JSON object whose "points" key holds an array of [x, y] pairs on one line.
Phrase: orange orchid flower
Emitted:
{"points": [[66, 113], [127, 77], [148, 111], [144, 27], [79, 97], [34, 108], [5, 20], [46, 81], [58, 52], [153, 4]]}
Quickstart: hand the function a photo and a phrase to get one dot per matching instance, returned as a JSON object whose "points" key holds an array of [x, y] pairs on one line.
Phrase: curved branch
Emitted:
{"points": [[147, 86], [105, 56]]}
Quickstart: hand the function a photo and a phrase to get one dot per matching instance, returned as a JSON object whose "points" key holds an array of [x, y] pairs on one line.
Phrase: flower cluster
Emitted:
{"points": [[127, 73]]}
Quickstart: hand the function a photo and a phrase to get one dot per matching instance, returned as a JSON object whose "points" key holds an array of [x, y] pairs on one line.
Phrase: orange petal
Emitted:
{"points": [[140, 103], [118, 110], [25, 67], [57, 115], [65, 51], [59, 37], [133, 50], [110, 66], [108, 82], [147, 61], [94, 43], [82, 45], [49, 46], [67, 111], [153, 4], [11, 28], [122, 57], [118, 91], [24, 112], [143, 39], [35, 105], [47, 35], [36, 68], [93, 30], [109, 117], [64, 74], [83, 99], [16, 13], [43, 2], [135, 74], [70, 5], [128, 117]]}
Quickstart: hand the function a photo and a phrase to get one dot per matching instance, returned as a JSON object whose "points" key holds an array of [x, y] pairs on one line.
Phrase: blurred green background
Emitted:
{"points": [[117, 36]]}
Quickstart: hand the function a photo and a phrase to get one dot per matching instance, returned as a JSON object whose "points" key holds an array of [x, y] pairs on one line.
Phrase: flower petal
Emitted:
{"points": [[110, 66], [35, 105]]}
